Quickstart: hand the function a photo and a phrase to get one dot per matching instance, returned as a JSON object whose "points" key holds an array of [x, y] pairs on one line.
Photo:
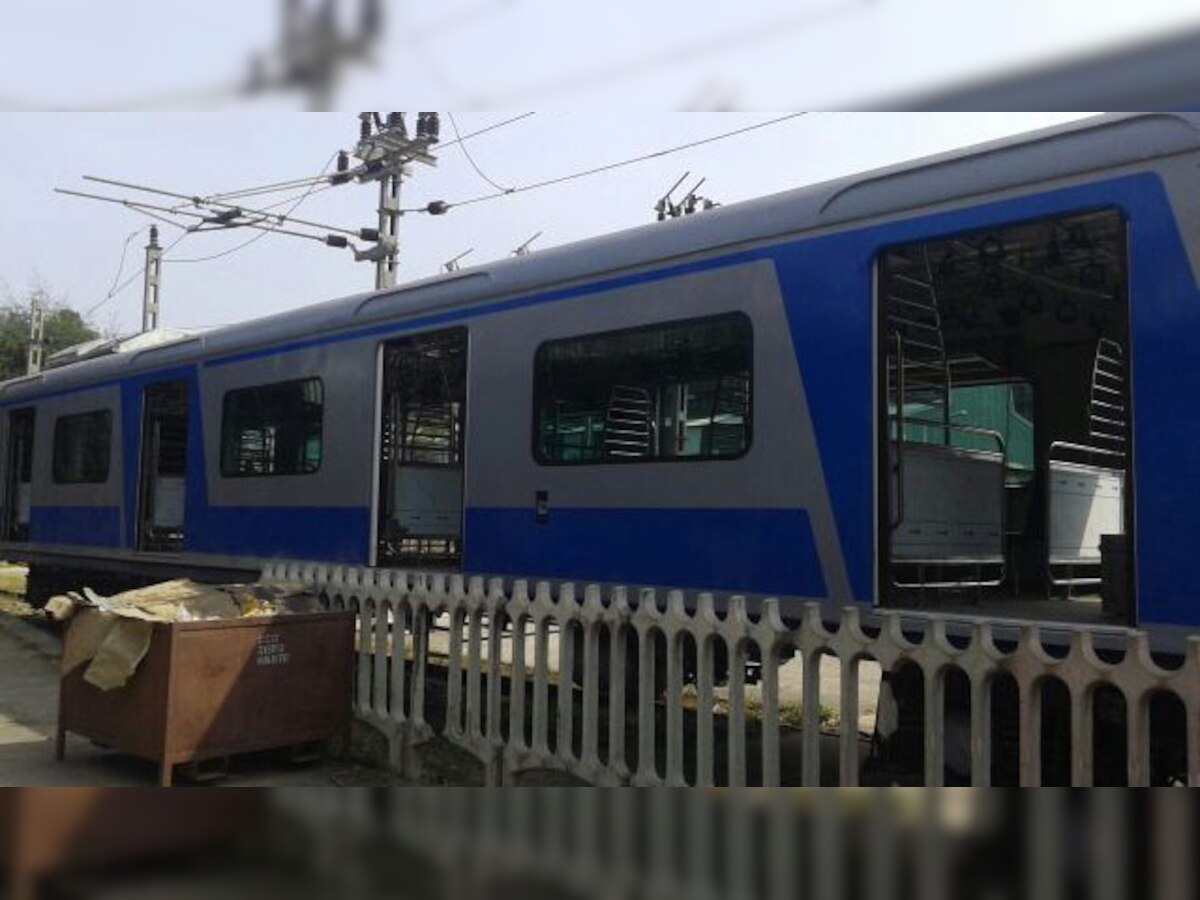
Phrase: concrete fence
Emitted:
{"points": [[517, 699]]}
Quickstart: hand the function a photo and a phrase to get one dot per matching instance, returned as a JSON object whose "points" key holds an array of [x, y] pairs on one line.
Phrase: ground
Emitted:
{"points": [[29, 673], [30, 652]]}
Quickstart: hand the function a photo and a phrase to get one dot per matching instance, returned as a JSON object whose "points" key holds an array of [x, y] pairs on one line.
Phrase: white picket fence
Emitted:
{"points": [[500, 709]]}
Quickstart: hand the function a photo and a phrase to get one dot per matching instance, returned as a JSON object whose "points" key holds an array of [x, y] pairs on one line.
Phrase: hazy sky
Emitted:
{"points": [[75, 246]]}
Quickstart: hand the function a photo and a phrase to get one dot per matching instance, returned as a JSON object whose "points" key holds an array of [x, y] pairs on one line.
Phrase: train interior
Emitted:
{"points": [[164, 468], [422, 450], [1005, 409]]}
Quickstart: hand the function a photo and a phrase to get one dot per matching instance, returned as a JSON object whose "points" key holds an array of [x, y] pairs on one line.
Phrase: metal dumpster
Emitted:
{"points": [[213, 689]]}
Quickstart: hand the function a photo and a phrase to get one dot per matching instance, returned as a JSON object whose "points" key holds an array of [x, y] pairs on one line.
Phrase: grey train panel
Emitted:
{"points": [[48, 494], [782, 469], [347, 371]]}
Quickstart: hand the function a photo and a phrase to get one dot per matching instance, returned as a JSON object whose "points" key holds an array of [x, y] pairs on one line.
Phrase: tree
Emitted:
{"points": [[64, 328]]}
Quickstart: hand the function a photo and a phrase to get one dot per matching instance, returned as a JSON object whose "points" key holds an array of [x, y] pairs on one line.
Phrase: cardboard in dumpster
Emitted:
{"points": [[113, 634]]}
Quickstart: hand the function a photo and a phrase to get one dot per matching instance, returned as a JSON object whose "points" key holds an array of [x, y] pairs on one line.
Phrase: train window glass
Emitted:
{"points": [[273, 429], [681, 391], [82, 446]]}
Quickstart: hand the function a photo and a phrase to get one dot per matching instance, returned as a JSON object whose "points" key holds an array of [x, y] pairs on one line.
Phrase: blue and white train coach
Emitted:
{"points": [[965, 384]]}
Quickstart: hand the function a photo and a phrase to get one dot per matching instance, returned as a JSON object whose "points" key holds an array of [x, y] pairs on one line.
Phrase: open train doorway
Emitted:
{"points": [[422, 450], [163, 503], [1005, 410], [20, 474]]}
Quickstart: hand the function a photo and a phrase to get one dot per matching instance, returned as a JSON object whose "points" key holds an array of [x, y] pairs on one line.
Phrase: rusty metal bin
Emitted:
{"points": [[208, 690]]}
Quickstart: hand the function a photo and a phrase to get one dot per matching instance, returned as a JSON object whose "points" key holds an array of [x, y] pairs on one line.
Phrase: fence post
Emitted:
{"points": [[647, 770]]}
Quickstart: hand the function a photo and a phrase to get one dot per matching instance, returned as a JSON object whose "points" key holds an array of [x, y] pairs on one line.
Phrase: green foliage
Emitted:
{"points": [[64, 328]]}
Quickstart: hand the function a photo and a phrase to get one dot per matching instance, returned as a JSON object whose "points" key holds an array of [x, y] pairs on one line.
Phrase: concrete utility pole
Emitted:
{"points": [[37, 335], [389, 232], [386, 150], [153, 283]]}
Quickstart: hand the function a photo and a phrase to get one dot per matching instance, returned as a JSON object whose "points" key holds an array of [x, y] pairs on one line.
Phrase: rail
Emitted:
{"points": [[501, 711]]}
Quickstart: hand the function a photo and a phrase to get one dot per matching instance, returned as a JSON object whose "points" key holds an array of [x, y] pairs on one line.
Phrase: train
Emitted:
{"points": [[959, 385]]}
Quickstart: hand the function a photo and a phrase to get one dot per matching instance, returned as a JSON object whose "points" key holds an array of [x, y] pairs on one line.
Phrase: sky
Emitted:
{"points": [[75, 247]]}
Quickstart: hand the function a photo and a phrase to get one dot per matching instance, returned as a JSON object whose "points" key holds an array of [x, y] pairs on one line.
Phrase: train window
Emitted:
{"points": [[680, 391], [273, 429], [82, 446]]}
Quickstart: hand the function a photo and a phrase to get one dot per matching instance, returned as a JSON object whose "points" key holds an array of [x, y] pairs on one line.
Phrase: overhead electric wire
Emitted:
{"points": [[275, 188], [149, 210], [490, 128], [467, 153], [200, 203], [135, 276], [609, 167], [280, 186], [124, 254], [262, 234]]}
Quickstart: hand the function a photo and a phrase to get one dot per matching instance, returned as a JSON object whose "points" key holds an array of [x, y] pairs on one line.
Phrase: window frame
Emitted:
{"points": [[538, 392], [56, 474], [225, 401]]}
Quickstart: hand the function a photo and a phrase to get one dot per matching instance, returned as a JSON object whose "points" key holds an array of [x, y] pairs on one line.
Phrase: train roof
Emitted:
{"points": [[1090, 144]]}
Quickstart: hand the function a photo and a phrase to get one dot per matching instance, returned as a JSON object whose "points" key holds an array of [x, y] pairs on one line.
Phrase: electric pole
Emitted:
{"points": [[387, 151], [37, 334], [389, 232], [153, 283]]}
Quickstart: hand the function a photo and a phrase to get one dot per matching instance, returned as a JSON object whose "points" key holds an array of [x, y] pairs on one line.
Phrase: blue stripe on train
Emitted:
{"points": [[329, 534], [767, 551], [83, 526]]}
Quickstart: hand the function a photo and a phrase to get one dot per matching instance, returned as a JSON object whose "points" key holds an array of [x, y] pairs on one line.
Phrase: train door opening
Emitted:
{"points": [[1005, 410], [161, 513], [20, 474], [422, 450]]}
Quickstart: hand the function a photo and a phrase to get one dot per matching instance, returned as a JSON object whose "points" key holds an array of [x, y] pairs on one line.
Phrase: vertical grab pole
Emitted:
{"points": [[898, 468]]}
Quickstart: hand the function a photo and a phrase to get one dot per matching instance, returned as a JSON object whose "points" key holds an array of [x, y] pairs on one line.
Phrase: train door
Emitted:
{"points": [[1005, 417], [20, 474], [422, 448], [164, 467]]}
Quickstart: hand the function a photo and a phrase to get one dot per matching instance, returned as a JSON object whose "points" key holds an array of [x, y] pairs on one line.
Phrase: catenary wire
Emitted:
{"points": [[262, 234], [471, 159], [280, 186], [609, 167]]}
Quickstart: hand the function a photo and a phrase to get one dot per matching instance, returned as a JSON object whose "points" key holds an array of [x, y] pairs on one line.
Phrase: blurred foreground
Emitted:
{"points": [[451, 843], [812, 54]]}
